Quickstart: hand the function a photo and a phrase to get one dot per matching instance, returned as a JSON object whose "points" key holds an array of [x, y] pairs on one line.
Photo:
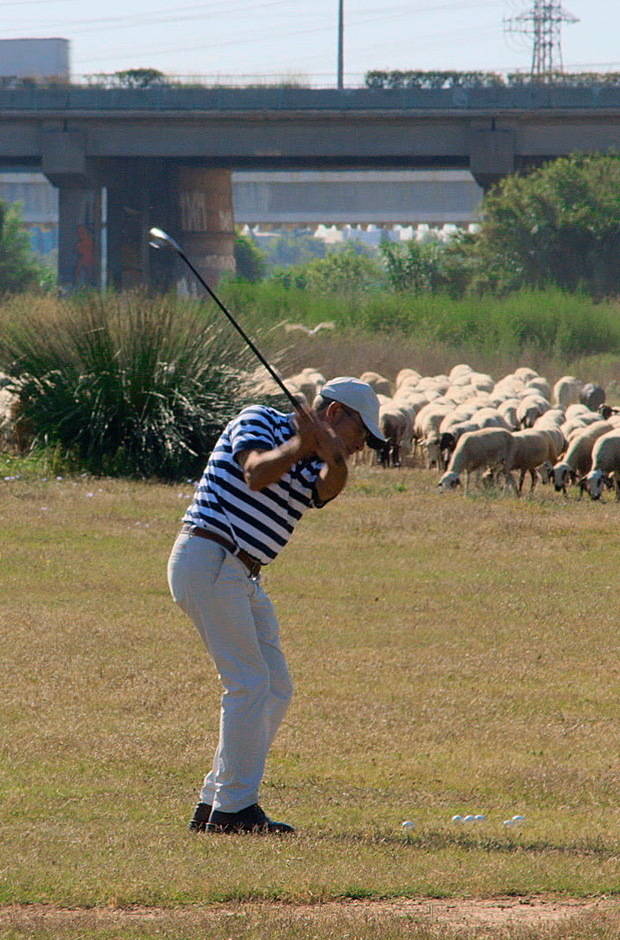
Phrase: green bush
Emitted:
{"points": [[339, 272], [250, 261], [20, 270], [558, 225], [123, 385]]}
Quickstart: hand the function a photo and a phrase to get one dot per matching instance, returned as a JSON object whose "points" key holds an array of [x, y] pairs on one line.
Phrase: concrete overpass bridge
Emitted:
{"points": [[124, 159]]}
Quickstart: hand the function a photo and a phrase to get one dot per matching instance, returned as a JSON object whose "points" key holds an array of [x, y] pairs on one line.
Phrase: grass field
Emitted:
{"points": [[451, 655]]}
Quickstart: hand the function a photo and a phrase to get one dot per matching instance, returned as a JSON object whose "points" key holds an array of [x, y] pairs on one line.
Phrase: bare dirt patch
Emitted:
{"points": [[490, 913]]}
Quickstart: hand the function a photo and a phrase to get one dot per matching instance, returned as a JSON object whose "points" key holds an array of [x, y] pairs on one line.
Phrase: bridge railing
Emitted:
{"points": [[166, 95]]}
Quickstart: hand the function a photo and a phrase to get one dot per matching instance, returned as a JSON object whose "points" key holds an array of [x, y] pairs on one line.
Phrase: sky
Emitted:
{"points": [[297, 39]]}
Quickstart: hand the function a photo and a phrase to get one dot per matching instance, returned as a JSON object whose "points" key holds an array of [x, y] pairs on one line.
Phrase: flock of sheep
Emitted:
{"points": [[466, 423]]}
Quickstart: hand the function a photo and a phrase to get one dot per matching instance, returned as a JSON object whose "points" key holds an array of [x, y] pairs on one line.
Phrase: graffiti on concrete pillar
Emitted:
{"points": [[198, 216], [85, 266], [193, 210], [226, 220]]}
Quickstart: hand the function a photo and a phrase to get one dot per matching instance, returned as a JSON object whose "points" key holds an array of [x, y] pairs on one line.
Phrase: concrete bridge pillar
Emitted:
{"points": [[206, 229], [65, 164], [127, 228], [79, 237]]}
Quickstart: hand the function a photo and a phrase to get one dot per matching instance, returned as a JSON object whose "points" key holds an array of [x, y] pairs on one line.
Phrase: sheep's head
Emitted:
{"points": [[449, 481], [545, 472], [559, 476], [594, 483], [432, 452]]}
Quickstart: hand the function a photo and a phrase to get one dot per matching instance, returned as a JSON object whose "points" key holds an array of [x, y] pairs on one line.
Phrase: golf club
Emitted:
{"points": [[160, 239]]}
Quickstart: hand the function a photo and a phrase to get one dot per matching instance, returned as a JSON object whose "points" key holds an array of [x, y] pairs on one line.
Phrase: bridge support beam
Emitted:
{"points": [[491, 154], [205, 212]]}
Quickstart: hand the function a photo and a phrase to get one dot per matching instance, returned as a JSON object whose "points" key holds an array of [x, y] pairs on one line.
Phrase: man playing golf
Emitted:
{"points": [[266, 469]]}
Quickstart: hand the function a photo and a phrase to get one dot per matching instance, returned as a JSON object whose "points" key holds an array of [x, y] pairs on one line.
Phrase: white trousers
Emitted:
{"points": [[237, 622]]}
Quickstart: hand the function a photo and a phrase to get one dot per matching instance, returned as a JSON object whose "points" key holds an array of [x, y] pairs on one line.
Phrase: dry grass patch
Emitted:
{"points": [[451, 655], [419, 919]]}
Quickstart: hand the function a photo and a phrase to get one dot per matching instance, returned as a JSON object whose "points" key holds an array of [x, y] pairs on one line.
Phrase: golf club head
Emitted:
{"points": [[160, 239]]}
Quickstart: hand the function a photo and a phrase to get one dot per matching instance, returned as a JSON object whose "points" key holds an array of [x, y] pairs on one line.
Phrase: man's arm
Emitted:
{"points": [[334, 473], [262, 467], [313, 437]]}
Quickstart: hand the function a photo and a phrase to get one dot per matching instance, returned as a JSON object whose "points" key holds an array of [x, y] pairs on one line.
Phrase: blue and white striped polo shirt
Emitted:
{"points": [[259, 521]]}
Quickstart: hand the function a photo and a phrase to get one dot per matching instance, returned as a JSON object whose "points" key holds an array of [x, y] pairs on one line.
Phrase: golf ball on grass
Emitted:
{"points": [[408, 825]]}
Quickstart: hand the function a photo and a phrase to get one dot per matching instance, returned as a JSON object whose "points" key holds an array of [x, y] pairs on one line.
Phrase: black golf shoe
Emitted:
{"points": [[250, 819], [198, 822]]}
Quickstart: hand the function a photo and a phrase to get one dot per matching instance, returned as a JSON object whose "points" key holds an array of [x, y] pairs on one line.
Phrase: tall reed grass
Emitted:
{"points": [[124, 384], [555, 323]]}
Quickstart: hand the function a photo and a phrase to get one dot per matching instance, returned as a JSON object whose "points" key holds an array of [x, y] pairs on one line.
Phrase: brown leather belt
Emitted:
{"points": [[252, 564]]}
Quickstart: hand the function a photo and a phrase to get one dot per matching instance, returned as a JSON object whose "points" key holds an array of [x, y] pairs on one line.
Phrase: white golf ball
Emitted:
{"points": [[408, 824], [480, 817], [469, 818], [518, 818], [457, 818], [508, 822]]}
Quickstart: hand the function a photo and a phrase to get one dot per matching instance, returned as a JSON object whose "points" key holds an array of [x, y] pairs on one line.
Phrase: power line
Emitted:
{"points": [[164, 15], [323, 27]]}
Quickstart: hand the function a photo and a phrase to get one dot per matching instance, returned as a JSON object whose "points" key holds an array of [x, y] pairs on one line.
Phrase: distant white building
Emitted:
{"points": [[35, 58]]}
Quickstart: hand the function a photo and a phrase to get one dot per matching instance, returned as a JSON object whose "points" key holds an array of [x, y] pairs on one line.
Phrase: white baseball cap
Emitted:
{"points": [[360, 397]]}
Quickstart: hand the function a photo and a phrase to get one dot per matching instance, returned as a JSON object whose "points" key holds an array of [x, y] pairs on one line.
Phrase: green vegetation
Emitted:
{"points": [[122, 385], [434, 80], [548, 323], [555, 226], [250, 261], [339, 272], [127, 384], [440, 668], [20, 269], [293, 249], [559, 224]]}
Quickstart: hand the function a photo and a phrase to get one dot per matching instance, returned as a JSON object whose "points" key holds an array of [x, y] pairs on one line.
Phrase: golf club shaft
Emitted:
{"points": [[274, 375]]}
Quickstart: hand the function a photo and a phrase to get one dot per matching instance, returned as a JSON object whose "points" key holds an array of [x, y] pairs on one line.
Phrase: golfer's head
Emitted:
{"points": [[357, 417]]}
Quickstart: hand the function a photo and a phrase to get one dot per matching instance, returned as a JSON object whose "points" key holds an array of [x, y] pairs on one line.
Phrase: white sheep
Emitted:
{"points": [[577, 460], [553, 418], [531, 449], [489, 418], [481, 381], [376, 381], [309, 382], [408, 376], [477, 450], [508, 387], [526, 373], [540, 385], [566, 391], [396, 425], [530, 408], [459, 370], [508, 410], [605, 465], [426, 430]]}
